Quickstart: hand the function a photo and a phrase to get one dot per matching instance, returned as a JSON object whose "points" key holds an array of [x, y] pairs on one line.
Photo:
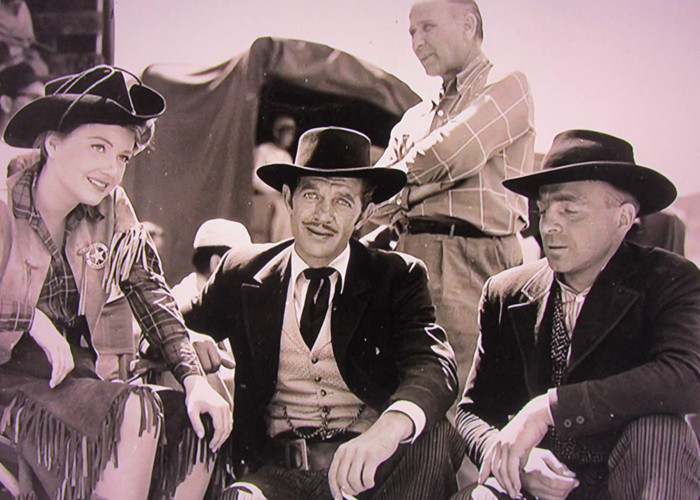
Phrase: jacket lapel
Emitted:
{"points": [[263, 300], [531, 325], [606, 304], [349, 307]]}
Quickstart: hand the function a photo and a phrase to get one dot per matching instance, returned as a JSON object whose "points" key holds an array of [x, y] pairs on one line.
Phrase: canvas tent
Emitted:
{"points": [[201, 162]]}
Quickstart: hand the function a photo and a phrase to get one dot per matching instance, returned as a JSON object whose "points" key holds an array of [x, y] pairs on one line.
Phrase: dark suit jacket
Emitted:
{"points": [[635, 349], [383, 331]]}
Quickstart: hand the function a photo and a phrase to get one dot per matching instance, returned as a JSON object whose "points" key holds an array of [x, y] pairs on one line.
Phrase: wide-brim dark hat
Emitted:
{"points": [[102, 94], [334, 152], [585, 155]]}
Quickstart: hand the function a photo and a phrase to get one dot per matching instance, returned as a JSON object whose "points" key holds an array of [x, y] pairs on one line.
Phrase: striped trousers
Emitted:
{"points": [[656, 457], [424, 470]]}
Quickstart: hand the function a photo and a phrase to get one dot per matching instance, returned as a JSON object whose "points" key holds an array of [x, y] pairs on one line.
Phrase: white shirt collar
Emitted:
{"points": [[340, 264], [568, 294]]}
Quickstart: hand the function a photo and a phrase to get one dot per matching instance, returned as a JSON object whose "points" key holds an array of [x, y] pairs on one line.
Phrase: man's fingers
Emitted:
{"points": [[513, 472], [555, 465], [208, 355], [368, 474], [500, 470], [343, 472], [212, 361], [226, 359], [354, 479], [485, 469], [333, 475]]}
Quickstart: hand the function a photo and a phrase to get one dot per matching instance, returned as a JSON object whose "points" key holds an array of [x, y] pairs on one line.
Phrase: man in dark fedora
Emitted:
{"points": [[342, 376], [589, 359]]}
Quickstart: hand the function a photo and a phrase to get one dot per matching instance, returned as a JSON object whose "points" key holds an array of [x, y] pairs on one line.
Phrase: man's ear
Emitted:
{"points": [[627, 216], [470, 24], [214, 262], [365, 215], [287, 195]]}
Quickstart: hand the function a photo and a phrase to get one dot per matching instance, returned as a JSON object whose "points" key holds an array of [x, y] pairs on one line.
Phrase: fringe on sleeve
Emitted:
{"points": [[126, 249]]}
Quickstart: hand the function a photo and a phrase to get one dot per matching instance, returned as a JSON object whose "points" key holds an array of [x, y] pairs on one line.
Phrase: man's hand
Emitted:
{"points": [[511, 449], [200, 398], [546, 478], [355, 462], [55, 347], [210, 356]]}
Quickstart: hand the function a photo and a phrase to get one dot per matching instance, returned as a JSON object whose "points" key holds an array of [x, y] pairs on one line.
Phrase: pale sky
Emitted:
{"points": [[626, 67]]}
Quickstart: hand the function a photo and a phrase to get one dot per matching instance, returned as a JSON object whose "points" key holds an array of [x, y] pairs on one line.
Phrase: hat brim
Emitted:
{"points": [[653, 191], [46, 113], [388, 181]]}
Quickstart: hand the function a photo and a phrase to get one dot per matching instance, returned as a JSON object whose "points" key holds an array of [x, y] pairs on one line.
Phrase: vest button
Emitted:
{"points": [[317, 379], [323, 392], [314, 360]]}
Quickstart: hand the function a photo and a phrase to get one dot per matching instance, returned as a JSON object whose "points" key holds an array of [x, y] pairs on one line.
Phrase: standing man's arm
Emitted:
{"points": [[498, 117]]}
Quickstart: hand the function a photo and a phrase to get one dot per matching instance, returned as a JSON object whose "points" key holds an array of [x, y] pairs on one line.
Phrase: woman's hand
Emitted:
{"points": [[54, 345], [200, 398]]}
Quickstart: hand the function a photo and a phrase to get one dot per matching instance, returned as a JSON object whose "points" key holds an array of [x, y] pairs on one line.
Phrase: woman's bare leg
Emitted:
{"points": [[195, 484], [132, 479]]}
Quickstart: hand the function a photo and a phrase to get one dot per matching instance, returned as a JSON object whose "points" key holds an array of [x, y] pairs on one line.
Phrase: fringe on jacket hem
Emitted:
{"points": [[64, 451]]}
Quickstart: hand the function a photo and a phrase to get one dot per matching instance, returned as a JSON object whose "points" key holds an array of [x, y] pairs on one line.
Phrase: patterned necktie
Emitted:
{"points": [[569, 450], [560, 340], [316, 303]]}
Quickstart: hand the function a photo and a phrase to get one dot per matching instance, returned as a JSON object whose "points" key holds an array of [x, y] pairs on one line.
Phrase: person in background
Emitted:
{"points": [[589, 359], [270, 220], [19, 85], [156, 232], [454, 214], [69, 236], [212, 240], [17, 40], [343, 378]]}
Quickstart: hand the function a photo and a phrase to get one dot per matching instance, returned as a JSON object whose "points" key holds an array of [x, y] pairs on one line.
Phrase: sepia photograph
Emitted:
{"points": [[380, 249]]}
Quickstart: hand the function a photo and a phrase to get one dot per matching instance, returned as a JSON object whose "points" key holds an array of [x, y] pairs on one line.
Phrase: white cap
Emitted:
{"points": [[221, 233]]}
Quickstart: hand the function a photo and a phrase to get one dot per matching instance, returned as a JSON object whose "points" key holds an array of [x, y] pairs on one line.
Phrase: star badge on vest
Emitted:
{"points": [[95, 255]]}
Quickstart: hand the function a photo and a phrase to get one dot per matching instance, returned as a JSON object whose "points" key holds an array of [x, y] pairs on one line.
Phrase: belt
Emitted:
{"points": [[291, 452], [448, 226]]}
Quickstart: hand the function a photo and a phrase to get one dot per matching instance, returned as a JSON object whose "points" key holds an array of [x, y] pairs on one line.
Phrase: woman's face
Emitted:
{"points": [[90, 161]]}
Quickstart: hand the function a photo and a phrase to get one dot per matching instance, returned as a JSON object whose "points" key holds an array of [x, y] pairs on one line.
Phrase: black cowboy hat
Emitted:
{"points": [[102, 94], [334, 152], [585, 155]]}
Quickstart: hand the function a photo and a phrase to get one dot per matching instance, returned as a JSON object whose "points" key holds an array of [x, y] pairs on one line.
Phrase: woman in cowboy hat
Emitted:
{"points": [[69, 238]]}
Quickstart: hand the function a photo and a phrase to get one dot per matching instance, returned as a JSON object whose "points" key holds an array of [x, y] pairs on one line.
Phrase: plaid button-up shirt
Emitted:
{"points": [[145, 289], [457, 152]]}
